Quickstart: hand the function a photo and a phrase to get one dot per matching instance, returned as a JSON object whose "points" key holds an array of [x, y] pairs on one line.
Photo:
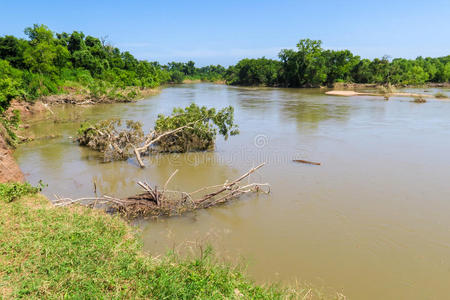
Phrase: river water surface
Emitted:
{"points": [[373, 221]]}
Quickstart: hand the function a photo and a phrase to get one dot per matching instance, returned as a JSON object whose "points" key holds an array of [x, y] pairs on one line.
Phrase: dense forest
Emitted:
{"points": [[47, 63], [311, 66]]}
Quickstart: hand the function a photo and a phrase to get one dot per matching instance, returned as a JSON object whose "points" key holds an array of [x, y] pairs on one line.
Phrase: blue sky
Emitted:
{"points": [[222, 32]]}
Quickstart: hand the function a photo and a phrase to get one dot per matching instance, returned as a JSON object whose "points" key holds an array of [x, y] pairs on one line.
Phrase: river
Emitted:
{"points": [[372, 221]]}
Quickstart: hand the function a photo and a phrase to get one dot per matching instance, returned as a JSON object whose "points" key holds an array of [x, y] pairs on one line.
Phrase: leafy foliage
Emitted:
{"points": [[310, 66], [250, 72], [203, 124], [10, 123], [180, 71], [14, 190]]}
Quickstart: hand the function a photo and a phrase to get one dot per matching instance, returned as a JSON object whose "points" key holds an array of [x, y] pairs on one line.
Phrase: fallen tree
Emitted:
{"points": [[156, 201], [187, 129], [110, 138]]}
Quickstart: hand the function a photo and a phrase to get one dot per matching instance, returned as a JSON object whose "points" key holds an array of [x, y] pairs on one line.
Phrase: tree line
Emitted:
{"points": [[51, 63], [309, 65]]}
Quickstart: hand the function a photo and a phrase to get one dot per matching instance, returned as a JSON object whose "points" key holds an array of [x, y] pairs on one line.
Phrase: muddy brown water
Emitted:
{"points": [[373, 221]]}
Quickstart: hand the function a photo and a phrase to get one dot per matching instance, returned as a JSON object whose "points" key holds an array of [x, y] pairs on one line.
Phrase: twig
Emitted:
{"points": [[229, 185], [169, 179]]}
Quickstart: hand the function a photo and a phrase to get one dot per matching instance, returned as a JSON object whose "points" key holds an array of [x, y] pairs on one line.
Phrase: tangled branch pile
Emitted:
{"points": [[193, 128], [163, 202], [110, 138]]}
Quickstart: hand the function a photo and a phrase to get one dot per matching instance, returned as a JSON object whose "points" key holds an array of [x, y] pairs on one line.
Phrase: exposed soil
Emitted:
{"points": [[9, 170], [27, 109], [190, 81]]}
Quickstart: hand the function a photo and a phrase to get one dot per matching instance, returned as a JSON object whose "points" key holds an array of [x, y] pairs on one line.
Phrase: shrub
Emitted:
{"points": [[419, 99], [10, 123], [176, 77], [12, 191], [440, 95], [201, 133]]}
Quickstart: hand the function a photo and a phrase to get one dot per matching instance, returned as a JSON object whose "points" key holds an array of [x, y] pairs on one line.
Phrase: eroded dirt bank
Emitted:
{"points": [[9, 170]]}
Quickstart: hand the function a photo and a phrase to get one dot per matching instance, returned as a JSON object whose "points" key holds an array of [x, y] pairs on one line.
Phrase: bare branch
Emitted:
{"points": [[167, 202]]}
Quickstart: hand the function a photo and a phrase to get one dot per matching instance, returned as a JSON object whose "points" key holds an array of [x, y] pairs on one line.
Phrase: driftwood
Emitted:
{"points": [[306, 162], [163, 202]]}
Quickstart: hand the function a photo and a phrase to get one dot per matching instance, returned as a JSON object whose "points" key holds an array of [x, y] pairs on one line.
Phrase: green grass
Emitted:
{"points": [[77, 253]]}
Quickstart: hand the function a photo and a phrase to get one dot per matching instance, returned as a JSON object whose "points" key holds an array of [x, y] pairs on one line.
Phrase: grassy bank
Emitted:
{"points": [[48, 252]]}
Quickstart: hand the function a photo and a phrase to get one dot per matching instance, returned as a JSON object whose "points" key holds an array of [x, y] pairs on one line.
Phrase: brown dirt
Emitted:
{"points": [[344, 85], [27, 109], [9, 170], [149, 92], [189, 81]]}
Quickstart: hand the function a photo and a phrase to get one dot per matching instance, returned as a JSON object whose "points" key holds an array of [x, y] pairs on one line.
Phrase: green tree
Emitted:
{"points": [[11, 50], [10, 85], [361, 72], [311, 69], [39, 34], [305, 67], [40, 56], [261, 71], [339, 65], [76, 42]]}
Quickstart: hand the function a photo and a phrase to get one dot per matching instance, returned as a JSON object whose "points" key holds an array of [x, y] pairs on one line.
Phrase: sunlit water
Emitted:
{"points": [[373, 221]]}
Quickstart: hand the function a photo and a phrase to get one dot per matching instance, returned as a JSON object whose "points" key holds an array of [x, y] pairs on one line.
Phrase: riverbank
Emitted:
{"points": [[191, 81], [9, 170], [342, 85], [349, 93], [76, 97], [49, 252]]}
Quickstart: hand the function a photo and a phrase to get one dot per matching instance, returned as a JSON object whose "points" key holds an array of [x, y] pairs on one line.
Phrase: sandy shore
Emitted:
{"points": [[395, 94]]}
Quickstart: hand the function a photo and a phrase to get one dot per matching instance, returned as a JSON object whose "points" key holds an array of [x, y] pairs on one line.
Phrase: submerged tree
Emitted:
{"points": [[200, 128], [193, 128], [111, 138]]}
